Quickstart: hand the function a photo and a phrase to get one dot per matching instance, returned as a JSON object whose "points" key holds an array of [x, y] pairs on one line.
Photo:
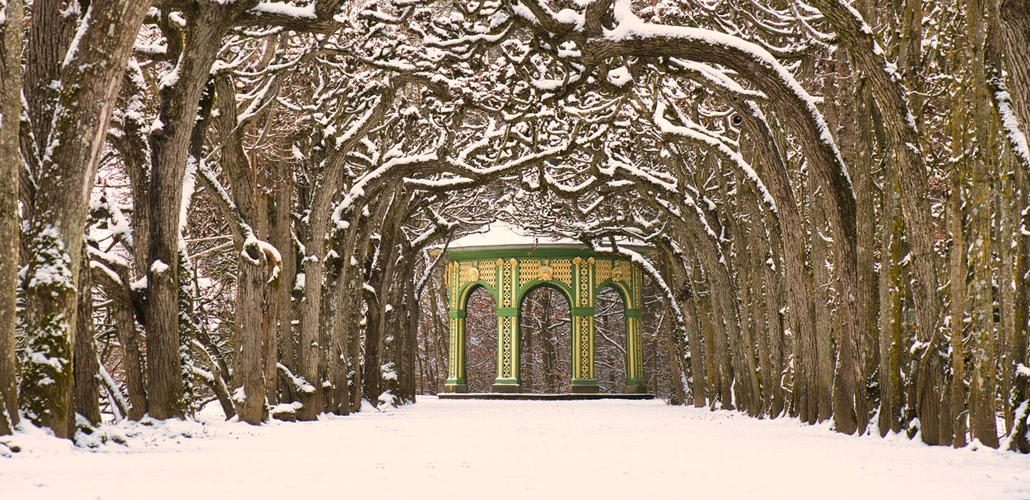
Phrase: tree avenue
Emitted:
{"points": [[250, 202]]}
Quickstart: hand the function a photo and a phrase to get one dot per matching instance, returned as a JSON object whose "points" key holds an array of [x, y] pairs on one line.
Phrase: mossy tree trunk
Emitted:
{"points": [[11, 18], [82, 110]]}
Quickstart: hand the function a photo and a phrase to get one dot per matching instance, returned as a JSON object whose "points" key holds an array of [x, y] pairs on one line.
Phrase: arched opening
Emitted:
{"points": [[480, 340], [610, 341], [546, 341]]}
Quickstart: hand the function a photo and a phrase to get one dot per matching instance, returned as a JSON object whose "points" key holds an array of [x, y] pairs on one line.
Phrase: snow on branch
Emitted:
{"points": [[241, 231], [262, 254], [315, 17], [300, 385], [713, 77], [696, 134], [1010, 124], [633, 37], [253, 250]]}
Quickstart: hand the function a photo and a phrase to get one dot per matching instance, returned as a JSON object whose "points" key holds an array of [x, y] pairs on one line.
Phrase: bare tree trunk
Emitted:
{"points": [[864, 187], [958, 274], [435, 334], [772, 290], [134, 149], [696, 368], [281, 237], [121, 309], [675, 347], [1009, 27], [259, 264], [169, 149], [59, 215], [1004, 228], [736, 312], [1015, 24], [372, 365], [1019, 439], [248, 374], [768, 329], [891, 387], [51, 30], [982, 400], [824, 303], [672, 263], [712, 368], [86, 397], [408, 331], [308, 350], [397, 276], [10, 231], [808, 394]]}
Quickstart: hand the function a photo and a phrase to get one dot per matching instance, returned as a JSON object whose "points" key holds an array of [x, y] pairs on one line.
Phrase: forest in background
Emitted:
{"points": [[236, 199]]}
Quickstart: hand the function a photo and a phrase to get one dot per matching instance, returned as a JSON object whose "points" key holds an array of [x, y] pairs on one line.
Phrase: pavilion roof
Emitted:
{"points": [[500, 235]]}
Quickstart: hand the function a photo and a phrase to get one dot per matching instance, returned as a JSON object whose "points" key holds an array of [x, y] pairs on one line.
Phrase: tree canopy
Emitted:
{"points": [[242, 200]]}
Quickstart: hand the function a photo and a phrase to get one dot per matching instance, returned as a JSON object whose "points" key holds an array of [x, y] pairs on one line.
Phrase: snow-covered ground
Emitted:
{"points": [[508, 449]]}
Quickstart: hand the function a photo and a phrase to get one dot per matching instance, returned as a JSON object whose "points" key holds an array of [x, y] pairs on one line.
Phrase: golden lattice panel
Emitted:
{"points": [[602, 271], [506, 348], [584, 347], [488, 272], [529, 270], [562, 269], [506, 292]]}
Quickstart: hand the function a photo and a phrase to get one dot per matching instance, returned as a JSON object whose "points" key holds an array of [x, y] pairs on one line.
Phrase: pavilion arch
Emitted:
{"points": [[535, 287], [509, 271], [480, 342], [631, 296]]}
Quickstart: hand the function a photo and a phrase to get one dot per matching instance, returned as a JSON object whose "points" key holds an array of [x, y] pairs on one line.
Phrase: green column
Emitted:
{"points": [[635, 383], [456, 381], [583, 380], [508, 376]]}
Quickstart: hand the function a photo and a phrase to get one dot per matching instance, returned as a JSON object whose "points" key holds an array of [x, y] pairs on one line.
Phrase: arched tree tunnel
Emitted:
{"points": [[832, 196]]}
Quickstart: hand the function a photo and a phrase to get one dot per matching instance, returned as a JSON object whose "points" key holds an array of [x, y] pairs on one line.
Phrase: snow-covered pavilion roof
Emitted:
{"points": [[500, 235]]}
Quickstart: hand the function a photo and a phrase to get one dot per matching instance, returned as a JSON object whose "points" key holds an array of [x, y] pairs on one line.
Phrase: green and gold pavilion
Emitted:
{"points": [[509, 265]]}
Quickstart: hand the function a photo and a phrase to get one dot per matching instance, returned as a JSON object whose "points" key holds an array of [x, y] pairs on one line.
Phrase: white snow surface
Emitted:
{"points": [[499, 234], [507, 449]]}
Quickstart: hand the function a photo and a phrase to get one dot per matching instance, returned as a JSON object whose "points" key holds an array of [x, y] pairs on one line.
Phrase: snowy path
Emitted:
{"points": [[503, 449]]}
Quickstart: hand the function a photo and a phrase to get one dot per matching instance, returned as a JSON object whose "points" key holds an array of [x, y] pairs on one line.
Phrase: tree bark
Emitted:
{"points": [[122, 311], [891, 387], [11, 167], [91, 80], [736, 299], [1015, 24], [281, 237], [982, 421], [51, 30], [1010, 25], [170, 145], [825, 313], [809, 394], [255, 350], [86, 397], [1018, 349], [906, 162]]}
